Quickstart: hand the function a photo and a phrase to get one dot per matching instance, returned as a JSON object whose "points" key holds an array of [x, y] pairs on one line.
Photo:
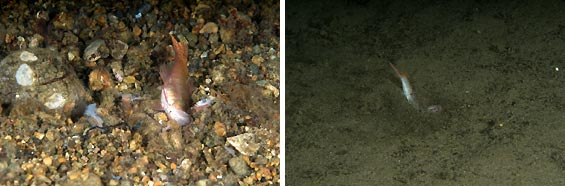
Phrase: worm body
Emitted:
{"points": [[175, 95], [406, 88]]}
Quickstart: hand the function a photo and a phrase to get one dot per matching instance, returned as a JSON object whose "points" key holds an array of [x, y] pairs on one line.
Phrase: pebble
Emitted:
{"points": [[50, 135], [96, 50], [27, 56], [36, 40], [70, 39], [24, 75], [100, 79], [117, 69], [55, 101], [39, 135], [83, 179], [220, 129], [48, 161], [63, 21], [238, 165], [203, 182], [244, 143], [274, 90], [209, 28], [119, 49], [257, 60], [129, 79], [136, 31]]}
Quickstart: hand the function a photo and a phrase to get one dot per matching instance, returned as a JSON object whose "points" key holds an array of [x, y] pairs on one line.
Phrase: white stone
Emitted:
{"points": [[27, 56], [55, 101], [204, 55], [24, 75], [91, 52], [71, 56], [244, 143]]}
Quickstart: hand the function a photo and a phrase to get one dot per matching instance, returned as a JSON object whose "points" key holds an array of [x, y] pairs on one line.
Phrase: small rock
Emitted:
{"points": [[117, 69], [220, 129], [92, 180], [36, 40], [136, 31], [83, 179], [48, 160], [256, 49], [100, 79], [192, 39], [129, 79], [55, 101], [257, 60], [213, 38], [96, 50], [73, 54], [239, 166], [209, 27], [21, 42], [184, 169], [63, 21], [119, 49], [39, 135], [274, 90], [50, 135], [70, 39], [24, 75], [244, 143], [27, 56], [203, 182]]}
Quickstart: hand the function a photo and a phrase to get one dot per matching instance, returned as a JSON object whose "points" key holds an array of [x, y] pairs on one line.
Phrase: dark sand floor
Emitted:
{"points": [[496, 68]]}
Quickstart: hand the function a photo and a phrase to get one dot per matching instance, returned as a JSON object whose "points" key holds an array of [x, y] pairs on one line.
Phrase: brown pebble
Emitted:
{"points": [[100, 79], [73, 175], [50, 135], [257, 60], [136, 31], [129, 79], [61, 160], [220, 129], [113, 182], [173, 166], [209, 28], [248, 180], [132, 145], [48, 161], [39, 135], [132, 170], [145, 179]]}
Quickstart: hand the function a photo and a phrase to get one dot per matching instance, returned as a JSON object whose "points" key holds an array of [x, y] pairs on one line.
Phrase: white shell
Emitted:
{"points": [[24, 75], [27, 56], [55, 101]]}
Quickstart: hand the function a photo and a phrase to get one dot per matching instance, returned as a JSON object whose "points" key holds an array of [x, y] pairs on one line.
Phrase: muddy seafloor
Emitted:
{"points": [[495, 67], [59, 57]]}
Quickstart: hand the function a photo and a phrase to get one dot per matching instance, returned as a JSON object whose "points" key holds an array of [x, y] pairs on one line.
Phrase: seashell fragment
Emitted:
{"points": [[55, 101], [27, 56], [24, 75], [95, 50], [244, 143]]}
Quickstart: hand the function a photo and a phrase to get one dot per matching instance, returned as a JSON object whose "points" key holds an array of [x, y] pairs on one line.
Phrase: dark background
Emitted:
{"points": [[495, 67]]}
